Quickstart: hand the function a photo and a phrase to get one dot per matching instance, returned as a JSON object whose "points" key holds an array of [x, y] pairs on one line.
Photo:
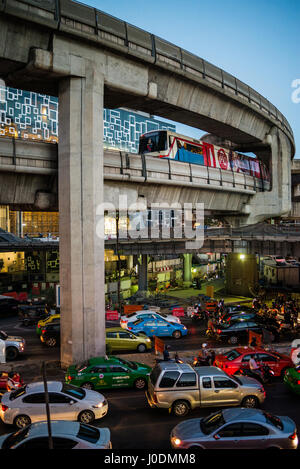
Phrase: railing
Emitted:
{"points": [[132, 168], [41, 158], [90, 23], [262, 231]]}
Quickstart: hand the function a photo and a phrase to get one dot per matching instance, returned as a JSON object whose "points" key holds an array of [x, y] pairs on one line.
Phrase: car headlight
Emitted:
{"points": [[98, 406], [184, 328], [148, 340], [176, 441]]}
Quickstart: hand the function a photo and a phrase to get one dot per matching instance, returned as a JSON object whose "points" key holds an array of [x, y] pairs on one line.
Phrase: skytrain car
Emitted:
{"points": [[168, 144]]}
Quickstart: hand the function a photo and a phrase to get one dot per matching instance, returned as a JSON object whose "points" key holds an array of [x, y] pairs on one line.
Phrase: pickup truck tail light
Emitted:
{"points": [[4, 407]]}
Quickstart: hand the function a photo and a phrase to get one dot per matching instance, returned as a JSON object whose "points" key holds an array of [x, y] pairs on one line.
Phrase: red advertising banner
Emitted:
{"points": [[159, 345], [178, 312], [112, 315], [257, 338]]}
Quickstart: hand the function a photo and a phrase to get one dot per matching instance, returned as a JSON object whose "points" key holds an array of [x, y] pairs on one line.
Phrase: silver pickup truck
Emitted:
{"points": [[14, 346], [180, 388]]}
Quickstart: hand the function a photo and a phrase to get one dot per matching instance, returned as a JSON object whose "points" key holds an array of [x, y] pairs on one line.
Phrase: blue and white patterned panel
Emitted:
{"points": [[36, 117]]}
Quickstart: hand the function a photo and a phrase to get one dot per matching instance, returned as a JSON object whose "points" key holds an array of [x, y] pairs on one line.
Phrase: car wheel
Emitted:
{"points": [[86, 416], [51, 341], [142, 348], [250, 402], [11, 353], [88, 385], [140, 383], [176, 334], [233, 340], [181, 408], [21, 421]]}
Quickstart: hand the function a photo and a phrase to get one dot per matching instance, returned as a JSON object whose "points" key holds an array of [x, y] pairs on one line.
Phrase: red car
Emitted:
{"points": [[234, 359], [9, 381]]}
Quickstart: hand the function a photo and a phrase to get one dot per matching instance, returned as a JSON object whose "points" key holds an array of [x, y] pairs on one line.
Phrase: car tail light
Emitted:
{"points": [[4, 407], [43, 331], [298, 382], [293, 436], [70, 377], [129, 328], [219, 331]]}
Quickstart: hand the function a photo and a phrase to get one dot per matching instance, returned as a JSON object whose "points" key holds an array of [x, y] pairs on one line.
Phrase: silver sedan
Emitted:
{"points": [[239, 428], [65, 435], [66, 402]]}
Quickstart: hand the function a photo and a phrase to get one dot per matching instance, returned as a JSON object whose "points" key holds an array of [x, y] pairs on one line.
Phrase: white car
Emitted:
{"points": [[147, 314], [66, 402], [65, 435]]}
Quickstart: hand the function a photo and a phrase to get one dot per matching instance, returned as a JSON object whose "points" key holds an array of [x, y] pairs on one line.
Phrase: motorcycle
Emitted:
{"points": [[264, 374], [176, 359]]}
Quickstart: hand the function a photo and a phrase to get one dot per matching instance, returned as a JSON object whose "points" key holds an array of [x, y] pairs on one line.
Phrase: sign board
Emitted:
{"points": [[257, 337], [156, 309], [128, 309], [210, 291], [112, 315], [178, 312], [2, 351], [159, 345]]}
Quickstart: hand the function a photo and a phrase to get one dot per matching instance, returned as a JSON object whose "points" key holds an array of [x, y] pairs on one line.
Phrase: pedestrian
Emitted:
{"points": [[211, 357], [166, 353]]}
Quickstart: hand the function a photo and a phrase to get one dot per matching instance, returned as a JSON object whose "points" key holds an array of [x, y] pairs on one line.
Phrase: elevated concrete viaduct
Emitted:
{"points": [[91, 60], [29, 180]]}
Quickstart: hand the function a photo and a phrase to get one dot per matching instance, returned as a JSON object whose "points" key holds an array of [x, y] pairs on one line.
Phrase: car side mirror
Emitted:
{"points": [[217, 437]]}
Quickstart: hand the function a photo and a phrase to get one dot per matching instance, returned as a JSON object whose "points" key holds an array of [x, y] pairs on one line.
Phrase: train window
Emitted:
{"points": [[153, 142]]}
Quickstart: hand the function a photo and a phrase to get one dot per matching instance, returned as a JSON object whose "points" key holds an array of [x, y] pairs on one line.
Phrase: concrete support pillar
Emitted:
{"points": [[187, 269], [80, 160], [143, 273], [129, 262]]}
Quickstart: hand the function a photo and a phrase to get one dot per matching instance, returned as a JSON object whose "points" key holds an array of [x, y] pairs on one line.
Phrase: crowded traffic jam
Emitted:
{"points": [[241, 351]]}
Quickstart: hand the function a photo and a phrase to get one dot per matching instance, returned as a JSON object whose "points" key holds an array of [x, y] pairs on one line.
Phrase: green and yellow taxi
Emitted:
{"points": [[44, 322], [108, 372], [292, 379], [118, 339]]}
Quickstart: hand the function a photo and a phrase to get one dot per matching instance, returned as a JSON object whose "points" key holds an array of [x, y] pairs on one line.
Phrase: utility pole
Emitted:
{"points": [[50, 440]]}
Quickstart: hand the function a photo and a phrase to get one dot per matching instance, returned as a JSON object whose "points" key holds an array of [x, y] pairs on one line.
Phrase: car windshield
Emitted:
{"points": [[273, 420], [14, 394], [15, 438], [232, 355], [131, 365], [88, 433], [138, 321], [212, 422], [130, 315], [82, 366], [3, 335], [73, 391]]}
